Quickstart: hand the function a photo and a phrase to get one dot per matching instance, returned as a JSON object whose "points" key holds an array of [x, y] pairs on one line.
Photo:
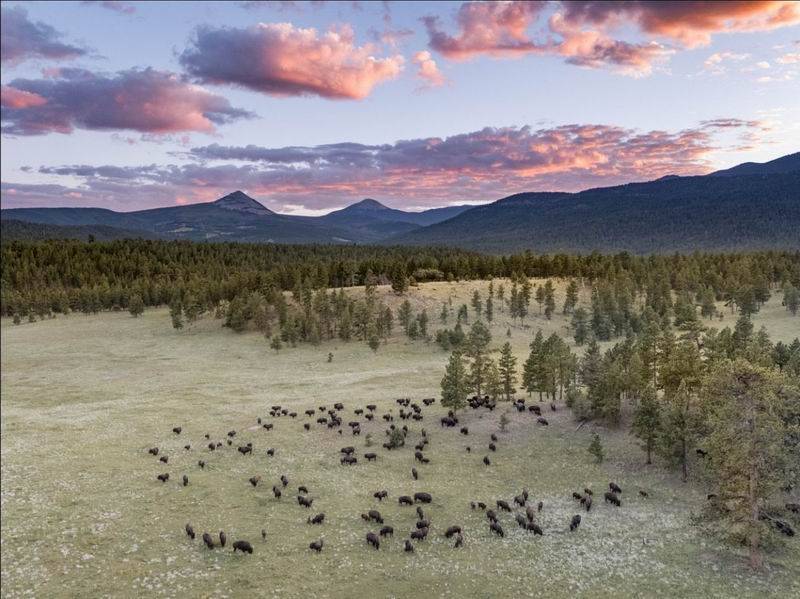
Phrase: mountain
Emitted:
{"points": [[238, 217], [15, 230], [373, 221], [782, 165], [673, 214]]}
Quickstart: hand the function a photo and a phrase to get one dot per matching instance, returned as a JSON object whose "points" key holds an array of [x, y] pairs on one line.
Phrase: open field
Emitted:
{"points": [[83, 515]]}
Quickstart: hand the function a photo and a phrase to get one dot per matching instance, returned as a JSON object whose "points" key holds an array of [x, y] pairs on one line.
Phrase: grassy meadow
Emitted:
{"points": [[84, 397]]}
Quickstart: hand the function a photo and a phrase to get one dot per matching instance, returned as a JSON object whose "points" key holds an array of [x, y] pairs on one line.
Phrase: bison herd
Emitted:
{"points": [[525, 512]]}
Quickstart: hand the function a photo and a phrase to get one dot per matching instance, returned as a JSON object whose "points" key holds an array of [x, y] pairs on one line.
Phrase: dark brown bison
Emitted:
{"points": [[503, 505], [422, 497], [305, 502], [276, 491], [185, 480], [380, 495], [371, 457], [189, 531], [575, 522], [316, 545], [452, 531], [408, 547], [177, 430], [486, 460], [405, 500], [318, 519], [375, 515], [386, 531], [222, 538], [374, 540], [414, 474], [254, 480], [614, 487], [242, 546], [612, 499], [163, 477], [496, 529]]}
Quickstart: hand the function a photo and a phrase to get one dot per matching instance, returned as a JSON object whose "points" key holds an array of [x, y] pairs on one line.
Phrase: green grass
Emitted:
{"points": [[84, 397]]}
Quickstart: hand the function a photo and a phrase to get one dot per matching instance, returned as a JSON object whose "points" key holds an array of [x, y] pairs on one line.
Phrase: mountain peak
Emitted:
{"points": [[369, 204], [238, 200]]}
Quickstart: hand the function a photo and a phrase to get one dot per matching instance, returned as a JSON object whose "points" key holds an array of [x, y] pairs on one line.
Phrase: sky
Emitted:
{"points": [[311, 106]]}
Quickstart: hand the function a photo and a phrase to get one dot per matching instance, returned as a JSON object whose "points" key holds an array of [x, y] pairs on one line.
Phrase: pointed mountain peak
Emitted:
{"points": [[238, 200], [368, 204]]}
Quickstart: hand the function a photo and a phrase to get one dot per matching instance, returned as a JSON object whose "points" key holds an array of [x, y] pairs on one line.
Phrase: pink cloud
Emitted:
{"points": [[11, 97], [147, 101], [691, 23], [470, 167], [581, 31], [427, 70], [22, 39], [281, 60]]}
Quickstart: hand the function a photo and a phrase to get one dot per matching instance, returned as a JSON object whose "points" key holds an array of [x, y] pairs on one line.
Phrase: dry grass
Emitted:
{"points": [[84, 397]]}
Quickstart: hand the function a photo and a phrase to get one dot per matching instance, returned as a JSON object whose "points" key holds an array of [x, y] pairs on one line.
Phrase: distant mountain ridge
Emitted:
{"points": [[749, 206]]}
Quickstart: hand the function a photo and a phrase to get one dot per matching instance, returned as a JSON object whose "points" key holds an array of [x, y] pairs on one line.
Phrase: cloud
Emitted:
{"points": [[501, 30], [584, 32], [428, 71], [691, 23], [125, 8], [281, 60], [147, 101], [714, 63], [22, 39], [790, 58], [471, 167], [11, 97]]}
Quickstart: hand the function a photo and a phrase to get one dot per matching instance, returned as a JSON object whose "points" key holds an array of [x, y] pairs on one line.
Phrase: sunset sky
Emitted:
{"points": [[311, 106]]}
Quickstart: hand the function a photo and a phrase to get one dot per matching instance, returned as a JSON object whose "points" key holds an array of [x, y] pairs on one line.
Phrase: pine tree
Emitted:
{"points": [[531, 370], [646, 423], [580, 326], [422, 321], [540, 297], [176, 314], [455, 384], [748, 410], [508, 371], [476, 303], [596, 449], [679, 428], [136, 305], [275, 343], [492, 385], [549, 299], [404, 315], [399, 279], [489, 309], [791, 298], [444, 314], [374, 342], [571, 299]]}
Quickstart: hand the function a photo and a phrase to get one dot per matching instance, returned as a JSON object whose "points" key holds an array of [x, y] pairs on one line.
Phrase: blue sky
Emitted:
{"points": [[741, 67]]}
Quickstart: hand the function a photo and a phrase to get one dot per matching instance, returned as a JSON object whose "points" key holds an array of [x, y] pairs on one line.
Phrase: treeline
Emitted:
{"points": [[727, 399], [46, 277]]}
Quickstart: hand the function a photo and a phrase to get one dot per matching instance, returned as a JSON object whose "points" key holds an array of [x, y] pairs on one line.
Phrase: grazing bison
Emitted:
{"points": [[307, 426], [464, 430], [276, 491], [371, 457], [588, 491], [496, 529], [212, 446], [414, 474], [530, 513], [492, 447], [163, 477], [372, 539], [577, 496], [588, 503], [208, 540], [612, 499], [540, 506], [643, 494], [201, 463], [575, 522], [614, 487], [503, 505], [177, 430], [185, 480], [189, 531], [520, 500], [163, 459], [486, 460], [222, 538], [187, 447], [452, 531], [408, 547], [271, 451], [318, 519], [386, 531], [347, 450], [491, 515], [405, 500], [375, 515], [263, 534], [419, 534], [493, 437], [243, 546], [535, 528], [422, 497], [284, 481], [305, 502], [316, 545], [348, 460], [254, 480], [420, 513], [523, 523], [153, 451], [380, 495], [423, 524], [459, 541], [542, 421], [418, 456]]}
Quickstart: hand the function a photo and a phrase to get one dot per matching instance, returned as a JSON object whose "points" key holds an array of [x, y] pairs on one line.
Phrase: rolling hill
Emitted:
{"points": [[723, 211]]}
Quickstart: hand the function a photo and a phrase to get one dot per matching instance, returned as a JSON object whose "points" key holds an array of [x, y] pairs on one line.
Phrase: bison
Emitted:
{"points": [[208, 540], [422, 497], [189, 531], [243, 546], [575, 522], [372, 539], [316, 545], [318, 519]]}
